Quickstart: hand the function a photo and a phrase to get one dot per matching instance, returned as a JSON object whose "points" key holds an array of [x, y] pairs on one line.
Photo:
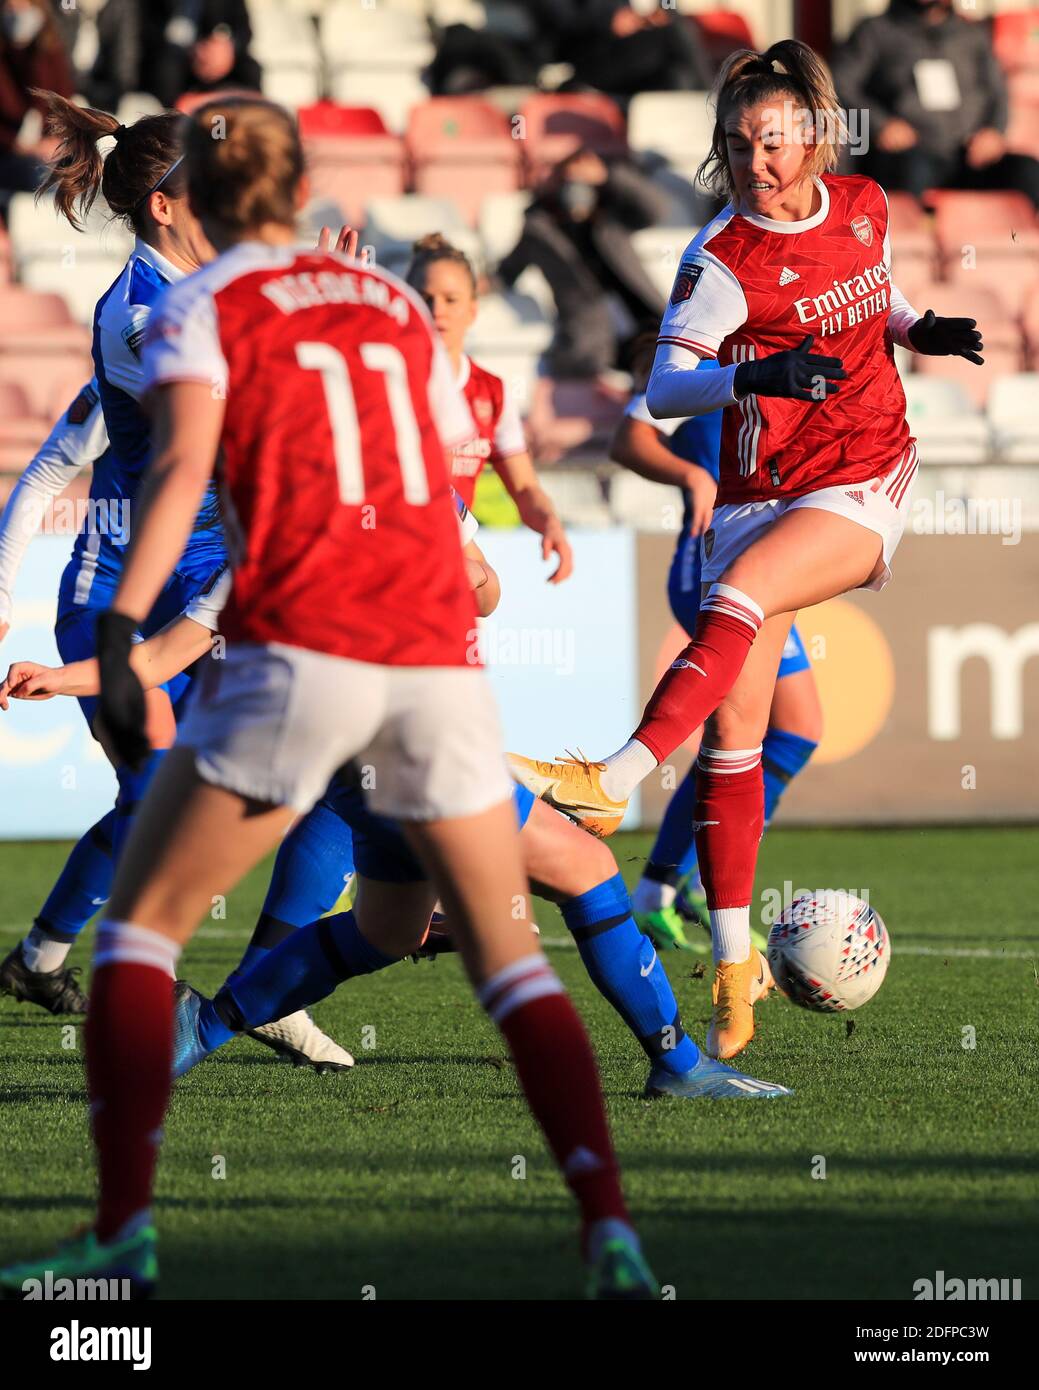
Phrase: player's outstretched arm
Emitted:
{"points": [[483, 578], [154, 661], [537, 512]]}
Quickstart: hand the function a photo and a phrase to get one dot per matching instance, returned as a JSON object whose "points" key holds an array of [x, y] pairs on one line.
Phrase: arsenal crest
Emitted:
{"points": [[685, 281], [863, 229]]}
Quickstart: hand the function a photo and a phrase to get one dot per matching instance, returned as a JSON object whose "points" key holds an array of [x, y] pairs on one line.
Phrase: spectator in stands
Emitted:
{"points": [[577, 231], [32, 55], [196, 46], [622, 51], [937, 101], [118, 66]]}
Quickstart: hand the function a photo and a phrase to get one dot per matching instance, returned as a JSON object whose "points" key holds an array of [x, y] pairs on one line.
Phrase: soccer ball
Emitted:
{"points": [[829, 951]]}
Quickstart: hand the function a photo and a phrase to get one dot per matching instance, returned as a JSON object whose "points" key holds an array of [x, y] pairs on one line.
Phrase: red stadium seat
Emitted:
{"points": [[1023, 131], [332, 120], [26, 432], [912, 236], [1015, 39], [557, 124], [722, 33], [36, 370], [1030, 323], [990, 274], [973, 299], [463, 148], [24, 310], [458, 128], [993, 223], [1024, 88], [351, 156], [14, 402]]}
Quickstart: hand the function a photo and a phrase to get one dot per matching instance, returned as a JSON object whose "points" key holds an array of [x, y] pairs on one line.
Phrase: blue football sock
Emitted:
{"points": [[132, 787], [783, 756], [314, 864], [306, 967], [674, 851], [624, 968], [83, 884]]}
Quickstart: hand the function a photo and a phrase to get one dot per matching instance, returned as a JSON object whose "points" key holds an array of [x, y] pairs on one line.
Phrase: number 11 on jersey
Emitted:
{"points": [[341, 404]]}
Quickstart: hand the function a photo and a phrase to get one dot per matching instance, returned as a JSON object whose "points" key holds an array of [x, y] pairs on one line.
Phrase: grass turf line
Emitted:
{"points": [[397, 1177]]}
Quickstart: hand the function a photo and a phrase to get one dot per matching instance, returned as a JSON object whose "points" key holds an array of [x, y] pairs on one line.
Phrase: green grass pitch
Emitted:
{"points": [[398, 1178]]}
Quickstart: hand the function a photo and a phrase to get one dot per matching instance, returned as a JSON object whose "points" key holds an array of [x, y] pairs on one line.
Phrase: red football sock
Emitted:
{"points": [[704, 673], [730, 816], [129, 1052], [557, 1070]]}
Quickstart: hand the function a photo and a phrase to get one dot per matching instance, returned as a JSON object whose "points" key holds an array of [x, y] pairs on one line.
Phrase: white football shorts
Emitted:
{"points": [[881, 505], [274, 722]]}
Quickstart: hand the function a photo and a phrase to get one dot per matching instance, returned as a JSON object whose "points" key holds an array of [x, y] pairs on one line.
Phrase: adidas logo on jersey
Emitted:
{"points": [[787, 275]]}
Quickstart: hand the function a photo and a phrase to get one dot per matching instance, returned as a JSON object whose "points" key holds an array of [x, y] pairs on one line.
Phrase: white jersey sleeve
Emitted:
{"points": [[451, 413], [467, 523], [206, 607], [901, 315], [509, 436], [637, 409], [78, 438], [183, 342], [707, 302]]}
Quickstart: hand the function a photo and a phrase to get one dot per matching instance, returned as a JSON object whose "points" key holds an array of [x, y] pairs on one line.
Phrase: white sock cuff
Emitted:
{"points": [[728, 760], [725, 598], [518, 983], [730, 933], [124, 943]]}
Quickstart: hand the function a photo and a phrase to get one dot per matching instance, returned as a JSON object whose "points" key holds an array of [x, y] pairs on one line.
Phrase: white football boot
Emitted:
{"points": [[297, 1037]]}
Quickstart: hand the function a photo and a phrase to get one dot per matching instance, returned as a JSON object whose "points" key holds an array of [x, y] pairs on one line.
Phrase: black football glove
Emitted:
{"points": [[795, 374], [936, 337], [121, 704]]}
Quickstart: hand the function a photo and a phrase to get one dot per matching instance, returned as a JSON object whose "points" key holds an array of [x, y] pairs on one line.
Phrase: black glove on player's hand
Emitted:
{"points": [[121, 705], [797, 374], [937, 337]]}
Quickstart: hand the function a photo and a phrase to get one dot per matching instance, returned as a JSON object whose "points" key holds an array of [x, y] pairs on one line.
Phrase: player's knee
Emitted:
{"points": [[735, 724]]}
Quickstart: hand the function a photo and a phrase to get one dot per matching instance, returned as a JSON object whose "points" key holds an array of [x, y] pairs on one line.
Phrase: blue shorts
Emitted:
{"points": [[74, 628], [683, 592], [380, 849]]}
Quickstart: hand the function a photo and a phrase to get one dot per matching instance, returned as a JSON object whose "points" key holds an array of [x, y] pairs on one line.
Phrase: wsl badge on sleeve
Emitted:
{"points": [[685, 281]]}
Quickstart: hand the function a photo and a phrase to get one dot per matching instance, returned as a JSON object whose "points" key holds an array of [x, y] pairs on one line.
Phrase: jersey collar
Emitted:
{"points": [[806, 224], [143, 252], [464, 372]]}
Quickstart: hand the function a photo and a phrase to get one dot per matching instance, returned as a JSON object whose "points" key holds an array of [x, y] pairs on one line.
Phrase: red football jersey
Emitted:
{"points": [[499, 431], [339, 407], [749, 286]]}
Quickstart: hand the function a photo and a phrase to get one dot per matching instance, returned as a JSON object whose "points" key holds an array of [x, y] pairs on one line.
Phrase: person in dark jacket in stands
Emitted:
{"points": [[32, 55], [204, 48], [623, 51], [937, 102], [577, 231]]}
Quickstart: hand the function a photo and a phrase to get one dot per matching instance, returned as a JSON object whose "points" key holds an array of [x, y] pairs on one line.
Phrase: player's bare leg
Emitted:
{"points": [[190, 844], [475, 864], [804, 557]]}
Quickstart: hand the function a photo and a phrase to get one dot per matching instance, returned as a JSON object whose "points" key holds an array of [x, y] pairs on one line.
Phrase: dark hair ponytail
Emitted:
{"points": [[143, 153], [790, 70], [433, 247]]}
